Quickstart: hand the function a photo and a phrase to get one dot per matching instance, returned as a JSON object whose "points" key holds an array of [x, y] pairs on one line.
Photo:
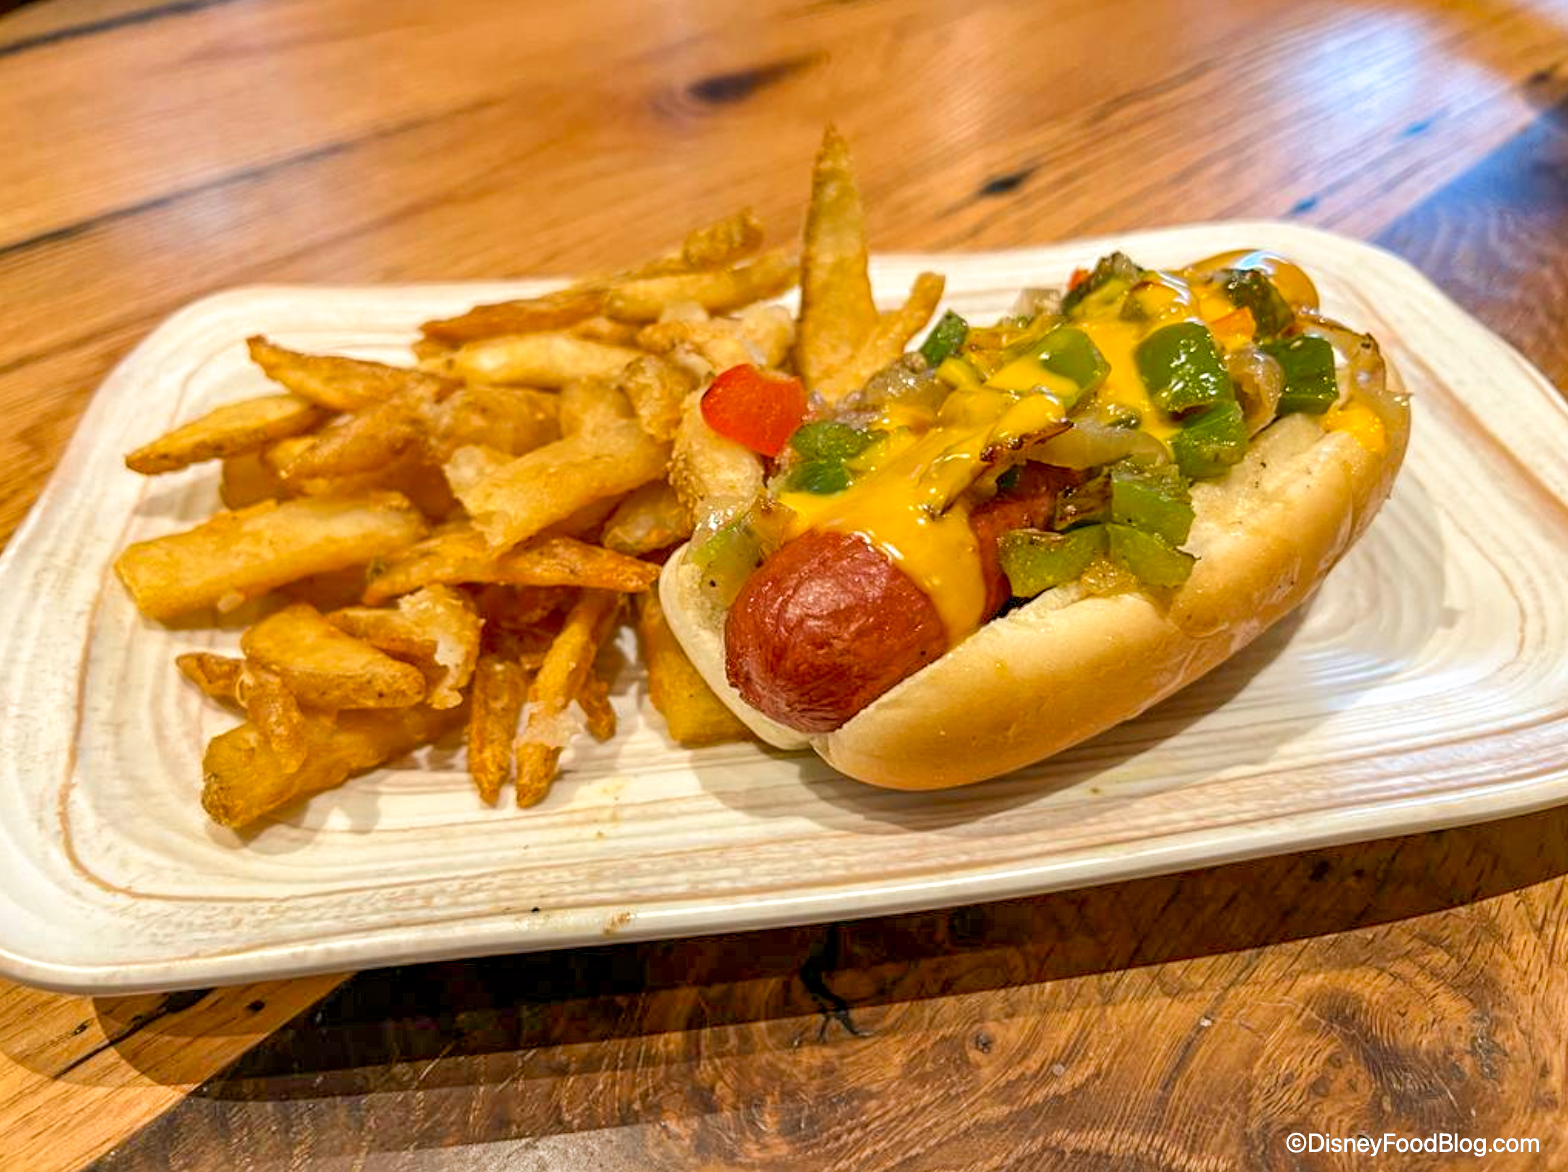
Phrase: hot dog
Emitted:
{"points": [[1047, 526]]}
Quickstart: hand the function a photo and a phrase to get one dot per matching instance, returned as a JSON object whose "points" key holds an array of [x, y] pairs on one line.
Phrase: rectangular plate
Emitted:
{"points": [[1425, 685]]}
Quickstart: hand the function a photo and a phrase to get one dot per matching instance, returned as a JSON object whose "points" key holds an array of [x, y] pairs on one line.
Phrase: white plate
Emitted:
{"points": [[1425, 685]]}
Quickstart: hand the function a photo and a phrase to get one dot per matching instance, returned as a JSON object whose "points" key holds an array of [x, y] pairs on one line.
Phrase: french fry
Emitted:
{"points": [[247, 480], [886, 341], [330, 591], [720, 341], [275, 712], [711, 474], [770, 331], [560, 680], [716, 290], [657, 388], [472, 463], [243, 554], [462, 555], [436, 629], [651, 517], [539, 360], [837, 313], [551, 483], [325, 667], [723, 242], [496, 705], [513, 420], [338, 383], [551, 311], [594, 700], [591, 404], [245, 778], [230, 430], [216, 675], [415, 474], [602, 329], [361, 442], [695, 716]]}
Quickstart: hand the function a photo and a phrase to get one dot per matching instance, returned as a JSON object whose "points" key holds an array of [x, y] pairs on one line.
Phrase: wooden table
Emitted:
{"points": [[155, 152]]}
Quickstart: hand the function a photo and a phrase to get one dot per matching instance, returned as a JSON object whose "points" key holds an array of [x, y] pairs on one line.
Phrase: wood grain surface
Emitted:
{"points": [[156, 152]]}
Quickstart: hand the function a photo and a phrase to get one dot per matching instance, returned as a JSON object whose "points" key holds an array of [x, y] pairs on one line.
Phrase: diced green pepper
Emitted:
{"points": [[1182, 368], [1210, 443], [1104, 287], [827, 439], [727, 558], [1251, 289], [1089, 501], [1065, 362], [1308, 363], [1034, 560], [819, 476], [1154, 502], [945, 337], [1153, 560]]}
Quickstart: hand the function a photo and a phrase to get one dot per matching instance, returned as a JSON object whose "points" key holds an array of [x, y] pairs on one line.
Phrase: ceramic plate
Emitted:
{"points": [[1425, 684]]}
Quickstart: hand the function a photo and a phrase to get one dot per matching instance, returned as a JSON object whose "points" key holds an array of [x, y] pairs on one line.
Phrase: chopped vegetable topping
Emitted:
{"points": [[755, 407], [945, 337], [1308, 363]]}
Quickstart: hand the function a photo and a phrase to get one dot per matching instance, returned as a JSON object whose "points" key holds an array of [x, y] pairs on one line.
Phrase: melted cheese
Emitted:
{"points": [[910, 503]]}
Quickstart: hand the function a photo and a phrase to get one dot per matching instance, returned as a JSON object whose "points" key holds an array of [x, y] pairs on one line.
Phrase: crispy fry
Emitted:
{"points": [[836, 310], [723, 242], [247, 480], [650, 518], [414, 474], [216, 675], [560, 680], [657, 389], [327, 668], [329, 591], [239, 555], [513, 420], [594, 700], [551, 483], [720, 341], [712, 475], [275, 712], [539, 360], [770, 331], [436, 629], [361, 442], [500, 688], [245, 779], [603, 329], [469, 465], [462, 555], [695, 716], [338, 383], [551, 311], [230, 430], [591, 404], [716, 290], [886, 341]]}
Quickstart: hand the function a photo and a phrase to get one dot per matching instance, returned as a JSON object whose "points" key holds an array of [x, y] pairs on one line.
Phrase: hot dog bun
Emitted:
{"points": [[1067, 666]]}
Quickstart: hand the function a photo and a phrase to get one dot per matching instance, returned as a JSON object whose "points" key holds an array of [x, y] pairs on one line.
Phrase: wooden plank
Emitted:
{"points": [[78, 1074]]}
